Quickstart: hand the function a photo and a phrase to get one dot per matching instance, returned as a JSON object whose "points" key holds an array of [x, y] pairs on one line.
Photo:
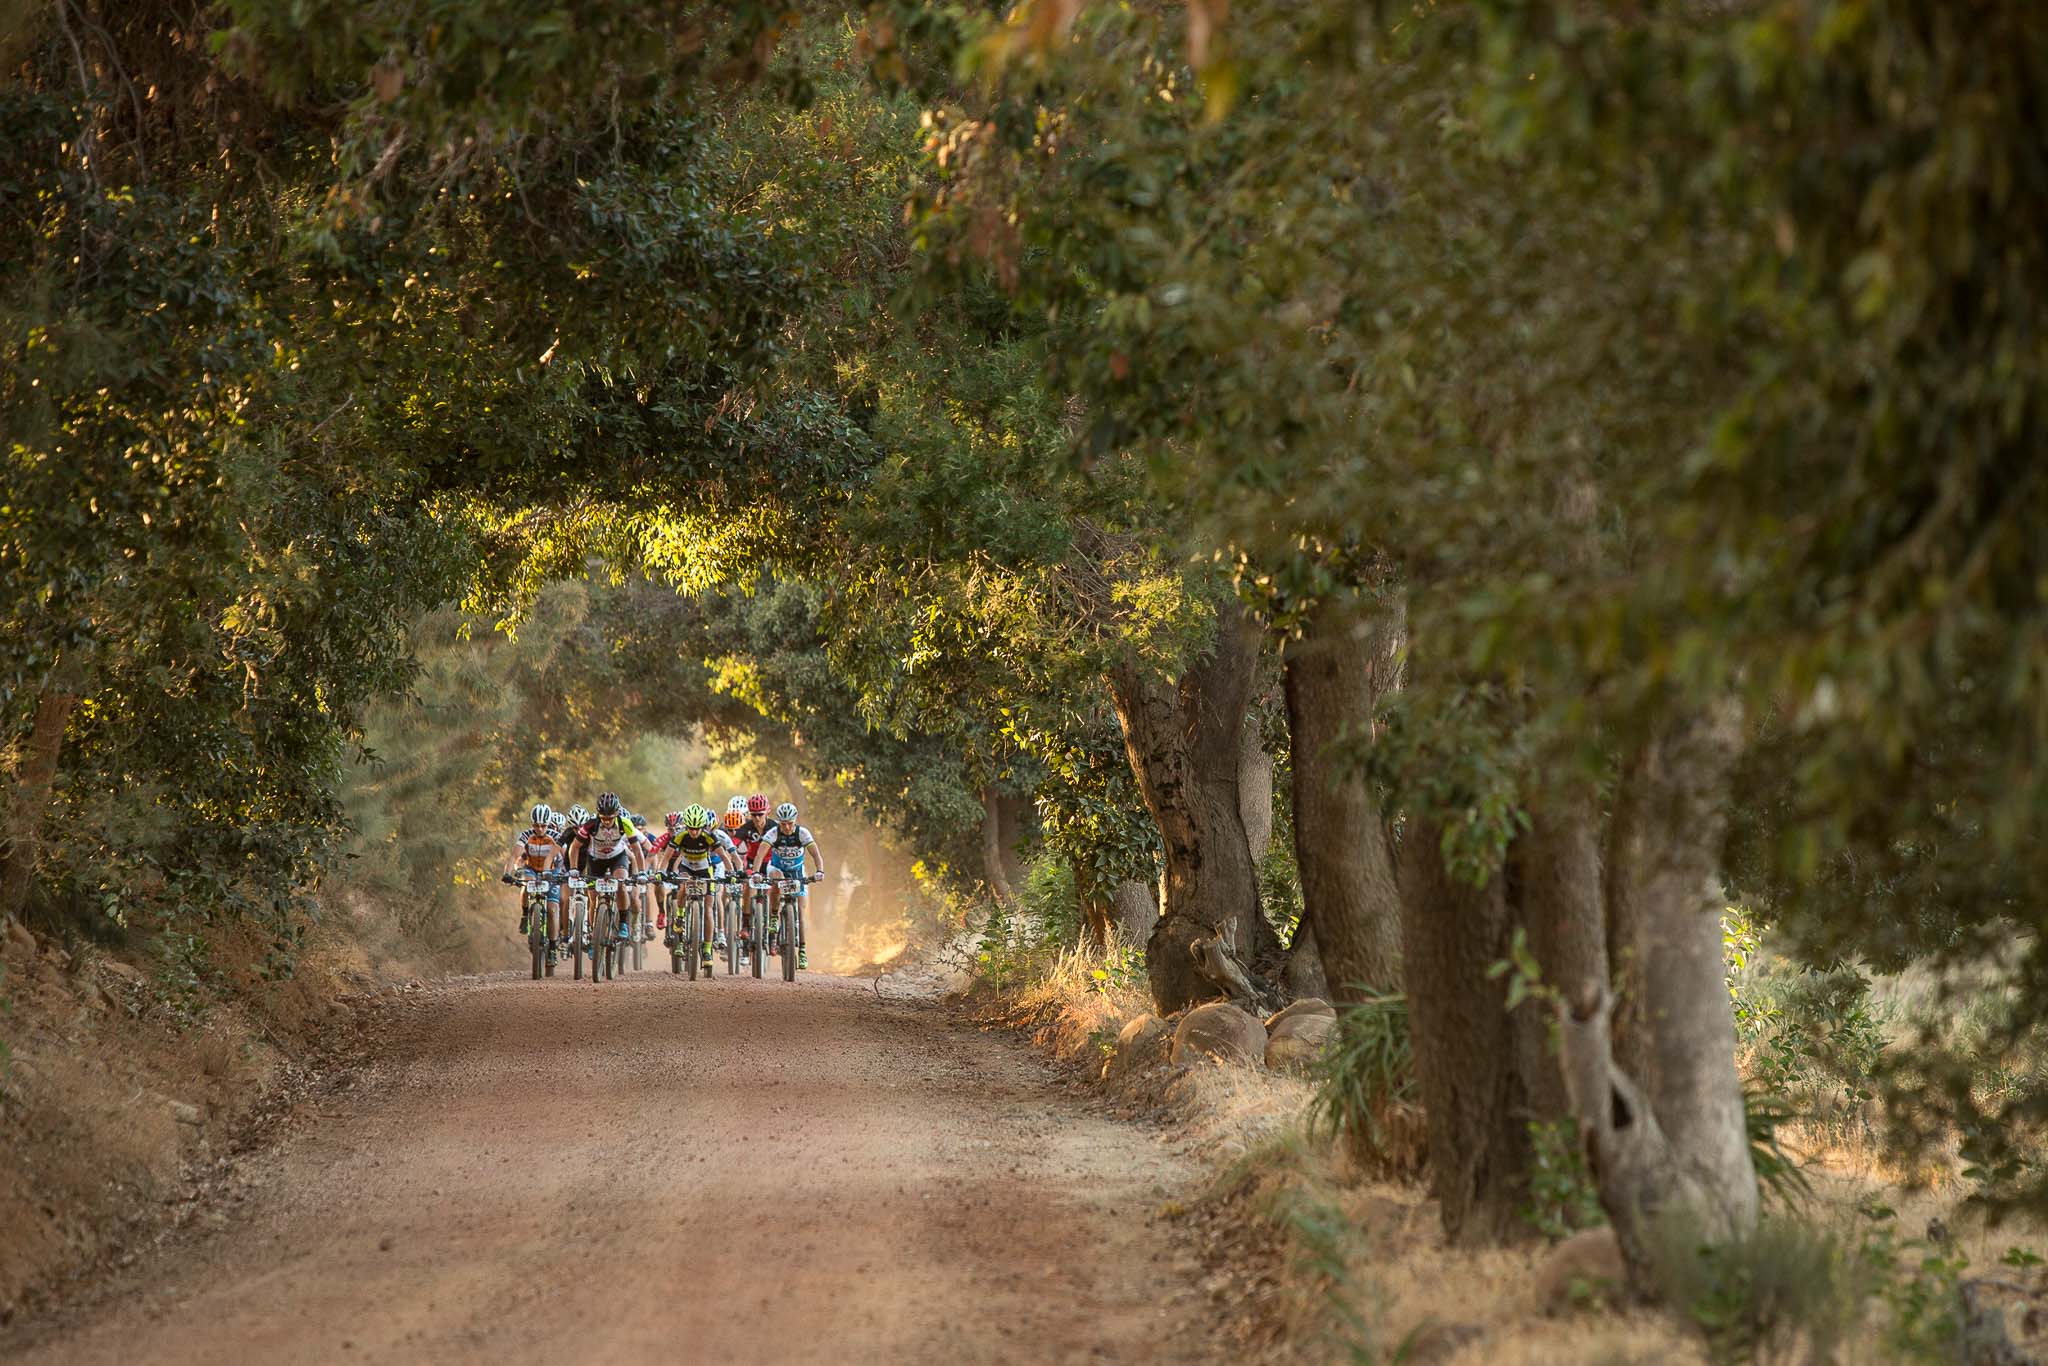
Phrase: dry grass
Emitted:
{"points": [[117, 1087], [1323, 1260]]}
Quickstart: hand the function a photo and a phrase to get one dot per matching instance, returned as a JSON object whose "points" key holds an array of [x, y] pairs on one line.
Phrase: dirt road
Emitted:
{"points": [[659, 1170]]}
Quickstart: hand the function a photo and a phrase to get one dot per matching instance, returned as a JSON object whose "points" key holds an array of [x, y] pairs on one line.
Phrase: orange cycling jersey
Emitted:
{"points": [[539, 850]]}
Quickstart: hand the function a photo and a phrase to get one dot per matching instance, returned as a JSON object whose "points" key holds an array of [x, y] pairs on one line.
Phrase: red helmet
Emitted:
{"points": [[675, 818], [757, 805]]}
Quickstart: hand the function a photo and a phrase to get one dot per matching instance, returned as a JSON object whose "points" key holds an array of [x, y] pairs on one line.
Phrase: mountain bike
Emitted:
{"points": [[786, 927], [733, 915], [639, 927], [756, 923], [607, 954], [691, 921], [533, 888], [576, 903]]}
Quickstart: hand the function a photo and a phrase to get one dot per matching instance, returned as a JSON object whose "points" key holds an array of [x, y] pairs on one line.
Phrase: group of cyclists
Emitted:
{"points": [[612, 842]]}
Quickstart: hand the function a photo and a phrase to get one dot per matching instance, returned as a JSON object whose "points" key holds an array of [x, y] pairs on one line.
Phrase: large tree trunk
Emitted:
{"points": [[1013, 813], [1304, 974], [35, 773], [993, 866], [1255, 789], [1555, 870], [1468, 1059], [1133, 910], [1333, 675], [1182, 739], [1097, 915], [1663, 1114]]}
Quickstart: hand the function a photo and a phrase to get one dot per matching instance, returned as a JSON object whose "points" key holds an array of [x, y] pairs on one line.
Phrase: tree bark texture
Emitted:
{"points": [[1255, 789], [1661, 1107], [35, 773], [1333, 676], [1014, 814], [1468, 1060], [1182, 738], [994, 868], [1097, 914], [1304, 975], [1134, 911], [1554, 872]]}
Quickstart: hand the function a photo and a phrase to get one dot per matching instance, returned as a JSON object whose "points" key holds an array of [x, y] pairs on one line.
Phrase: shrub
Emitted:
{"points": [[1366, 1090], [1787, 1292], [1562, 1198]]}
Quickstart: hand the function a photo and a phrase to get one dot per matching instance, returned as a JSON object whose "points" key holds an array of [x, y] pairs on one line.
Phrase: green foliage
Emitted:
{"points": [[1562, 1198], [1122, 969], [1047, 903], [1811, 1043], [1370, 1068], [1788, 1291], [1280, 885]]}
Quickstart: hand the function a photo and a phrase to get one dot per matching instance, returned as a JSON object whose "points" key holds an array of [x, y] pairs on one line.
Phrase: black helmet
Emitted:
{"points": [[607, 803]]}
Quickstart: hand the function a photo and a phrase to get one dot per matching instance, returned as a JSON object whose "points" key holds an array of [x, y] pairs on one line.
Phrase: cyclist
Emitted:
{"points": [[603, 846], [642, 893], [782, 855], [698, 847], [753, 831], [731, 823], [538, 849]]}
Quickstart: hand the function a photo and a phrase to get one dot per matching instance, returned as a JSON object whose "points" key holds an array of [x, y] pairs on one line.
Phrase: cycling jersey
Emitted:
{"points": [[538, 849], [747, 839], [786, 852], [694, 849], [606, 839]]}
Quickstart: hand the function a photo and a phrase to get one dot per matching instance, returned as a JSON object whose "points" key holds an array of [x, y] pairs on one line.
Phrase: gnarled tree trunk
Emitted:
{"points": [[1333, 675], [1182, 738], [1661, 1108]]}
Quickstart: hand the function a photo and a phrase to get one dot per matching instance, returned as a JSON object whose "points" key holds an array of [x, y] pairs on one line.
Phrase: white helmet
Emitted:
{"points": [[786, 811], [737, 805], [540, 813], [557, 823]]}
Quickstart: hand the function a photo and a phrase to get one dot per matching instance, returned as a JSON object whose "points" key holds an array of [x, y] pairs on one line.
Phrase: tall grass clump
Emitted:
{"points": [[1366, 1086]]}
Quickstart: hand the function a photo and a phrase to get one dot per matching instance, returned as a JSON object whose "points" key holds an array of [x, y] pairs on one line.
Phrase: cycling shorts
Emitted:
{"points": [[618, 865]]}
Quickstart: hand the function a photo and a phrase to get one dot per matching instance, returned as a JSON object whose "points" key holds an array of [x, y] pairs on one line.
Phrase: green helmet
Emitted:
{"points": [[695, 817]]}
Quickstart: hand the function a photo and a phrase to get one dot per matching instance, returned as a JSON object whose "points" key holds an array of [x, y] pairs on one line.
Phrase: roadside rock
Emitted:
{"points": [[1440, 1341], [187, 1113], [1584, 1267], [1296, 1037], [1294, 1056], [1221, 1031], [1307, 1006], [1141, 1043]]}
